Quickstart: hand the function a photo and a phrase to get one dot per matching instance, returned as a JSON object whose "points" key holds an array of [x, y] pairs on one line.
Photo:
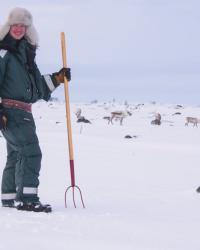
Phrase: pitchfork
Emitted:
{"points": [[69, 130]]}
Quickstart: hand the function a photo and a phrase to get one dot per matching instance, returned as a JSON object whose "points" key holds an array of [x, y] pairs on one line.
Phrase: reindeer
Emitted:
{"points": [[157, 120], [193, 120], [81, 118], [119, 115]]}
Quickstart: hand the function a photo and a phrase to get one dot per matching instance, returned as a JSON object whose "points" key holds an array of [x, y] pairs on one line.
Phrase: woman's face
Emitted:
{"points": [[17, 31]]}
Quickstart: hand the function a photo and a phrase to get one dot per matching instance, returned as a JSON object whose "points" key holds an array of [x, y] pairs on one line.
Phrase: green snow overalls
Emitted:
{"points": [[21, 80]]}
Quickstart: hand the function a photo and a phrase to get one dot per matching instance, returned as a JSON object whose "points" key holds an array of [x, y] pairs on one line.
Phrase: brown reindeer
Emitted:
{"points": [[119, 115], [157, 120], [192, 120]]}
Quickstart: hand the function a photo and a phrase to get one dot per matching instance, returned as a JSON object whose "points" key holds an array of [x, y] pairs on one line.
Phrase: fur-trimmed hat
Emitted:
{"points": [[21, 16]]}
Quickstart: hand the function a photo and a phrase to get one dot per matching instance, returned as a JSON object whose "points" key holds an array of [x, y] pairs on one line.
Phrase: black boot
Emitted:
{"points": [[35, 207]]}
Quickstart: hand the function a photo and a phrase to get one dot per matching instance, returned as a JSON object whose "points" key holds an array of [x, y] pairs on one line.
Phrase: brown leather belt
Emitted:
{"points": [[9, 103]]}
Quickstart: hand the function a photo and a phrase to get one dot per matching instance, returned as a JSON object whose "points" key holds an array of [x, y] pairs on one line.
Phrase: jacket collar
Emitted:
{"points": [[9, 43]]}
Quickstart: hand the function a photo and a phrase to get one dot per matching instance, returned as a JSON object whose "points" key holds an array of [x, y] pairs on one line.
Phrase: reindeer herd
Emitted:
{"points": [[121, 115]]}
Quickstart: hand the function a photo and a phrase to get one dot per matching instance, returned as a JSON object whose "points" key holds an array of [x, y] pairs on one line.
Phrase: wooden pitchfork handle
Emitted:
{"points": [[69, 129]]}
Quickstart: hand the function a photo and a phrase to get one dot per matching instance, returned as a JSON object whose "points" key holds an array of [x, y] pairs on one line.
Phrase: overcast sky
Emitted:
{"points": [[134, 50]]}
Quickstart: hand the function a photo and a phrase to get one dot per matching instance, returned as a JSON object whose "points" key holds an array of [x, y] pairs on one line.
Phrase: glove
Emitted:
{"points": [[59, 76], [3, 119]]}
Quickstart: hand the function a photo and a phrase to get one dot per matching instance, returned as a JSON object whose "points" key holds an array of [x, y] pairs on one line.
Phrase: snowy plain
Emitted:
{"points": [[139, 193]]}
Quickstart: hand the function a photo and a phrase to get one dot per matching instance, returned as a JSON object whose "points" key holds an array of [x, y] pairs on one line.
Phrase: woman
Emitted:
{"points": [[21, 84]]}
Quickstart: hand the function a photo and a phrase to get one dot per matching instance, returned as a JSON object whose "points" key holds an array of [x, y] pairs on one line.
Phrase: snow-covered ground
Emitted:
{"points": [[139, 193]]}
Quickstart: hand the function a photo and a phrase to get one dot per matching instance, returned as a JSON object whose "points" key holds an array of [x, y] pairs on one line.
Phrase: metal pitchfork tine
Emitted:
{"points": [[73, 186], [69, 130]]}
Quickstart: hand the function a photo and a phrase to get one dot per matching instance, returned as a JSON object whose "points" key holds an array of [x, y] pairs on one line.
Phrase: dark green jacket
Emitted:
{"points": [[20, 78]]}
